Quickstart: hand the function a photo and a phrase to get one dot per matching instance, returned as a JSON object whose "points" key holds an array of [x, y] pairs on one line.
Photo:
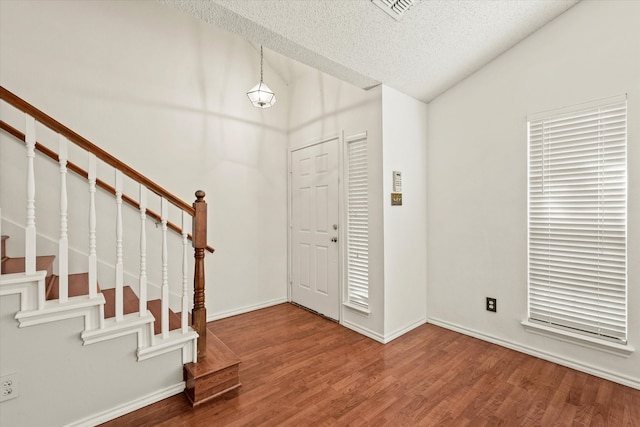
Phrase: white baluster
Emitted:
{"points": [[63, 242], [93, 259], [119, 261], [164, 213], [185, 283], [30, 231], [143, 250]]}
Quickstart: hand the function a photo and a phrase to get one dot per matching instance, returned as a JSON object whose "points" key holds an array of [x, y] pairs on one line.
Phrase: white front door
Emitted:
{"points": [[314, 228]]}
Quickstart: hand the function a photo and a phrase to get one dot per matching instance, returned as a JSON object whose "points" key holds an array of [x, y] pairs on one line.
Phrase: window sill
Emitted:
{"points": [[582, 340], [357, 308]]}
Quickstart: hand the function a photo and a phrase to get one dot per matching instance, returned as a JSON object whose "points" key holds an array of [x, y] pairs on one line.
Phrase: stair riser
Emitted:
{"points": [[211, 386], [3, 247]]}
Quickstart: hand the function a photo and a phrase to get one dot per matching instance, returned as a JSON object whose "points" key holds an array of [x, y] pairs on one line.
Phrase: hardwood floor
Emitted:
{"points": [[299, 369]]}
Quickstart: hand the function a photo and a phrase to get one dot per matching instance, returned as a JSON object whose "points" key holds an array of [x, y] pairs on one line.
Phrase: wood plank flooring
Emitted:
{"points": [[299, 369]]}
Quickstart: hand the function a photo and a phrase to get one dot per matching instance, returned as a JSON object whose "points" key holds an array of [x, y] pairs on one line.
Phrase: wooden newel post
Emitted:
{"points": [[199, 237]]}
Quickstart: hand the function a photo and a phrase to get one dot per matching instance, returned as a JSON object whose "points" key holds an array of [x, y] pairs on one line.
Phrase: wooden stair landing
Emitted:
{"points": [[217, 375]]}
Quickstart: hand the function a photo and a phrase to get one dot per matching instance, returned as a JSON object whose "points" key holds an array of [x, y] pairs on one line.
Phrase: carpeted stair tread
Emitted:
{"points": [[16, 265], [155, 307], [78, 285]]}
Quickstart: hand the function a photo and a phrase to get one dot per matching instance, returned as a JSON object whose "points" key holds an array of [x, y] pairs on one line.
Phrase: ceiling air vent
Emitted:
{"points": [[395, 8]]}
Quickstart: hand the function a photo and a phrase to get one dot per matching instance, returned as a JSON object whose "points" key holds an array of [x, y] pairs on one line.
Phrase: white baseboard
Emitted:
{"points": [[363, 331], [589, 369], [384, 339], [128, 407], [245, 309], [399, 332]]}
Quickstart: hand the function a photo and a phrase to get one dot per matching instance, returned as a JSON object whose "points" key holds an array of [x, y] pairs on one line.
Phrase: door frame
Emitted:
{"points": [[340, 138]]}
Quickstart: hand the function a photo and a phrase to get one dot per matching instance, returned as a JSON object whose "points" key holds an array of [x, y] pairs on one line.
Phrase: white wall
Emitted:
{"points": [[404, 141], [477, 177], [165, 93], [323, 106], [82, 382]]}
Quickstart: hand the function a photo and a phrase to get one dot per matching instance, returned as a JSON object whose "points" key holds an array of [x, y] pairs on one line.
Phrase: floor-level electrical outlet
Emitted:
{"points": [[492, 305], [9, 385]]}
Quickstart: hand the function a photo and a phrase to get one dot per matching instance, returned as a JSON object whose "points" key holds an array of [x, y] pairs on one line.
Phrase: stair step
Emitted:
{"points": [[179, 314], [132, 305], [16, 265], [130, 301], [214, 376], [78, 285], [155, 307]]}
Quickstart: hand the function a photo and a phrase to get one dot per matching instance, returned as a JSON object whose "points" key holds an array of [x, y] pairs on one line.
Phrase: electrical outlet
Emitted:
{"points": [[492, 304], [9, 385]]}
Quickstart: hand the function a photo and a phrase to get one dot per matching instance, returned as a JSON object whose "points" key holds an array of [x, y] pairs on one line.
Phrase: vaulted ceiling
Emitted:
{"points": [[436, 44]]}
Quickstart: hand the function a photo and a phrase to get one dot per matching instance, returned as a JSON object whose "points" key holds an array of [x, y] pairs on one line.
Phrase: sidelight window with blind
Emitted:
{"points": [[357, 194], [578, 218]]}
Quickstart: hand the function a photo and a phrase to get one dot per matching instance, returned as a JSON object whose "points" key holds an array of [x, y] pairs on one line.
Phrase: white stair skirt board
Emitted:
{"points": [[29, 286], [175, 340], [54, 311], [131, 324], [34, 310]]}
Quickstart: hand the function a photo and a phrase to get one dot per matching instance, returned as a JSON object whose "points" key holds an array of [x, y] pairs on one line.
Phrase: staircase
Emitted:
{"points": [[79, 287], [210, 369], [214, 376]]}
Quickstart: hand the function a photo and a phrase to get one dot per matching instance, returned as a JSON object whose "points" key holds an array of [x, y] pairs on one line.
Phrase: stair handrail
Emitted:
{"points": [[84, 143], [100, 183], [197, 210]]}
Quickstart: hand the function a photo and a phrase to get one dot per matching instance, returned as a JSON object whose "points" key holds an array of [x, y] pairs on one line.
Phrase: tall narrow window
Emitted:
{"points": [[577, 219], [357, 271]]}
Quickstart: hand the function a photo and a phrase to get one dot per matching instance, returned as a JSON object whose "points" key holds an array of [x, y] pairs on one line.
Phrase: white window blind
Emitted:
{"points": [[577, 219], [357, 222]]}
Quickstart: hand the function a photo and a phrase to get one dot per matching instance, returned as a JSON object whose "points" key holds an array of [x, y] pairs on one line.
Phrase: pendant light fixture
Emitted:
{"points": [[260, 95]]}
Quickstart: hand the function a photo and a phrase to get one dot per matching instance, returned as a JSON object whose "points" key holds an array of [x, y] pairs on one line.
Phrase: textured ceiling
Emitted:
{"points": [[435, 45]]}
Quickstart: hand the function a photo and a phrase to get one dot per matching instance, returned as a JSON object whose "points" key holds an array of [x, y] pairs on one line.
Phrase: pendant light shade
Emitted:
{"points": [[260, 95]]}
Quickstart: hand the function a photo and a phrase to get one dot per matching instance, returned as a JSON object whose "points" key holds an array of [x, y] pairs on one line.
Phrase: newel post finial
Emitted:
{"points": [[199, 234]]}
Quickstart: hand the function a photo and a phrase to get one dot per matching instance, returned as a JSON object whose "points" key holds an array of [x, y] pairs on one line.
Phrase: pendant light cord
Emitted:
{"points": [[261, 95]]}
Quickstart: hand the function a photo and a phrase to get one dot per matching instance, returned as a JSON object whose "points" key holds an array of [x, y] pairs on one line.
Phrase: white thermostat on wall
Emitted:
{"points": [[397, 182]]}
